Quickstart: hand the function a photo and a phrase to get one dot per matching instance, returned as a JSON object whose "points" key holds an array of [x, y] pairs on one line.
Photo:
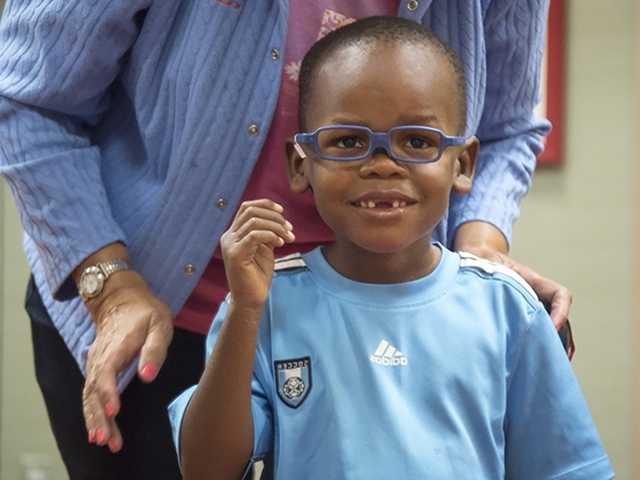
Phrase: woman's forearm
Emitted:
{"points": [[217, 431]]}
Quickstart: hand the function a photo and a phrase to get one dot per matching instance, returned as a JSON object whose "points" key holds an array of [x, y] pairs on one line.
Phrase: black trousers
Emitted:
{"points": [[148, 451]]}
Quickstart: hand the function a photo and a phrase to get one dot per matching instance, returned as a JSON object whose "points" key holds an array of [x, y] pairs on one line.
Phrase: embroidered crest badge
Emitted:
{"points": [[293, 380]]}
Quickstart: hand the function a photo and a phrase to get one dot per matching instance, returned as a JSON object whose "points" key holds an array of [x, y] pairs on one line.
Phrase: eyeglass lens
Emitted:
{"points": [[408, 144]]}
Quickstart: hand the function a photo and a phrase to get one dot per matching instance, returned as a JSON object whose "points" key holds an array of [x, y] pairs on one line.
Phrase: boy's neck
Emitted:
{"points": [[355, 263]]}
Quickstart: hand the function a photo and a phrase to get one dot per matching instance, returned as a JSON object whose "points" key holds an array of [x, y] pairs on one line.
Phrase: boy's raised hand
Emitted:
{"points": [[247, 250]]}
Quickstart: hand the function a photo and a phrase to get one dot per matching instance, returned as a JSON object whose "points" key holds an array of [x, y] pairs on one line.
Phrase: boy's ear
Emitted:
{"points": [[466, 166], [298, 181]]}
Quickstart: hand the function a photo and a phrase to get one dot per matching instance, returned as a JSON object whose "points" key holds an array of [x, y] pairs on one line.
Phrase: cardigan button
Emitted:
{"points": [[275, 54], [412, 5], [253, 130]]}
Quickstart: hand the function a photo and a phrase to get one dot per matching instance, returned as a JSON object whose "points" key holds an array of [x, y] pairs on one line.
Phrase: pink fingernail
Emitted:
{"points": [[114, 445], [110, 410], [100, 437], [148, 372], [92, 435]]}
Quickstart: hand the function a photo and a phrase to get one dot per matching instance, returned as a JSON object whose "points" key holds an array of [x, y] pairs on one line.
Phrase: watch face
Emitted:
{"points": [[91, 282]]}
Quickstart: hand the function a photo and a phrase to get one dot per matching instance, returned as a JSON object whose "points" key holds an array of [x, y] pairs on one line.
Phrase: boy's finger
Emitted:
{"points": [[255, 238], [259, 212], [264, 224], [263, 202]]}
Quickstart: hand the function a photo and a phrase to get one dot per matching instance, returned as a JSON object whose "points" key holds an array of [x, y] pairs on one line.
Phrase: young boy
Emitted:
{"points": [[381, 355]]}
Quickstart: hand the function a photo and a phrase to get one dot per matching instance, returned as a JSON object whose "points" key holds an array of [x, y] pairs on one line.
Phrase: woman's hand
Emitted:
{"points": [[486, 241], [247, 250], [129, 321]]}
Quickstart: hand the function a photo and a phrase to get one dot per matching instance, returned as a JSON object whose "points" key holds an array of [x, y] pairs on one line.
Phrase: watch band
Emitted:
{"points": [[113, 266]]}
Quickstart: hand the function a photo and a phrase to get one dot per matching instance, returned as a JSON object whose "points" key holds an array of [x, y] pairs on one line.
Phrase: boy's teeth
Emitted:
{"points": [[372, 204]]}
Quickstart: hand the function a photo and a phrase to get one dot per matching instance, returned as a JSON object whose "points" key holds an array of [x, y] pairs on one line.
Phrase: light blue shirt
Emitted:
{"points": [[457, 375], [130, 121]]}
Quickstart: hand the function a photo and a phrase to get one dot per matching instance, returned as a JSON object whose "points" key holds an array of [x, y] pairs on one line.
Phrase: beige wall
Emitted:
{"points": [[23, 422], [576, 227], [577, 221], [636, 237], [24, 436]]}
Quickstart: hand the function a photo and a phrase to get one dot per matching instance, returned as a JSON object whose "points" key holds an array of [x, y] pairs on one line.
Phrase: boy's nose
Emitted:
{"points": [[380, 164]]}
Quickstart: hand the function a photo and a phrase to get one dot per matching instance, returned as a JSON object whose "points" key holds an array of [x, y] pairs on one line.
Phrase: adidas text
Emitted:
{"points": [[389, 362]]}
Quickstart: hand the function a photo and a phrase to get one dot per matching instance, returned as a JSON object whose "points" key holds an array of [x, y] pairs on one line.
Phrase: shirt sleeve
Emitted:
{"points": [[510, 135], [261, 385], [57, 63], [548, 428]]}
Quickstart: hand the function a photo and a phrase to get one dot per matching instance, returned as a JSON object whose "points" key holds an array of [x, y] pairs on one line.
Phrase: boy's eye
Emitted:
{"points": [[419, 143], [342, 142], [349, 142]]}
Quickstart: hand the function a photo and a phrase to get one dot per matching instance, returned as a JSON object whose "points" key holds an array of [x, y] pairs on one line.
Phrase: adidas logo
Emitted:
{"points": [[388, 355]]}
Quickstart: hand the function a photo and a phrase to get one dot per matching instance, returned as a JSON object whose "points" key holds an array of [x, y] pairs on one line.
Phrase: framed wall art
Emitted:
{"points": [[552, 85]]}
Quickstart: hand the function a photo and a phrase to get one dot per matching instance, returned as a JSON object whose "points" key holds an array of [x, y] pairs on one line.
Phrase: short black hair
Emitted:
{"points": [[368, 31]]}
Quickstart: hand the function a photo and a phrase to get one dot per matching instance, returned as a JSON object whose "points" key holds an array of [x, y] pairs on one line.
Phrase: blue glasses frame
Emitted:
{"points": [[378, 140]]}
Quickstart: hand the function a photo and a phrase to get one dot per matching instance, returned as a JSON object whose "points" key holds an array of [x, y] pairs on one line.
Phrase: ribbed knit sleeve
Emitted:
{"points": [[57, 62], [510, 136]]}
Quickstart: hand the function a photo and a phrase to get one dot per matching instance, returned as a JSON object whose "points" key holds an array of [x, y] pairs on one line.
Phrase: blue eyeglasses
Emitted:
{"points": [[405, 143]]}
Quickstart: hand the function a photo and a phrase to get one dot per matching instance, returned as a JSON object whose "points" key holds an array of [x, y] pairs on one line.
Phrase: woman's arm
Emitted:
{"points": [[511, 137], [509, 132], [58, 61]]}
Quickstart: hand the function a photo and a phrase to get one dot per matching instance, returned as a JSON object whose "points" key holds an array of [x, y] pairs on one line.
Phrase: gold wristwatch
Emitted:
{"points": [[93, 278]]}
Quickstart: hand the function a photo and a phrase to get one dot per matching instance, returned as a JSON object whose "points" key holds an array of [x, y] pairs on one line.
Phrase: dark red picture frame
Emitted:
{"points": [[554, 74]]}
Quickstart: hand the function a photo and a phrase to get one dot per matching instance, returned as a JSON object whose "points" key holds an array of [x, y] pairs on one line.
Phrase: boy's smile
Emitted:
{"points": [[383, 211], [383, 201], [378, 207]]}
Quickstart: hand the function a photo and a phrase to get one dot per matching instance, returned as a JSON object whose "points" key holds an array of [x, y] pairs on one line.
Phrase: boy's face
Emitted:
{"points": [[382, 86]]}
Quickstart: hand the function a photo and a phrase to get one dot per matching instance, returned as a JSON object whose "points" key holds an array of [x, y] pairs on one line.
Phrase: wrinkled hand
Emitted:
{"points": [[247, 250], [129, 321], [556, 297]]}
